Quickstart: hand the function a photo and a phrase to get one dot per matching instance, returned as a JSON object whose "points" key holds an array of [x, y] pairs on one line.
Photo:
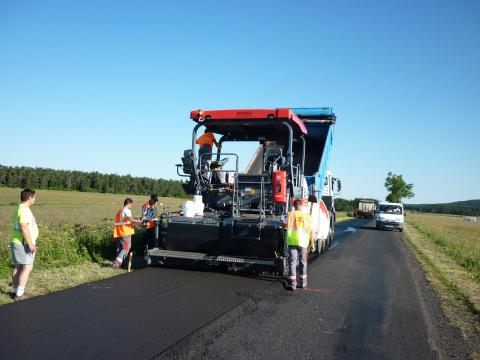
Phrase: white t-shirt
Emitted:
{"points": [[126, 213]]}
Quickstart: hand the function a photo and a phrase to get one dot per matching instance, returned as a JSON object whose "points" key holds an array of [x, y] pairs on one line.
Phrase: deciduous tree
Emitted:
{"points": [[397, 188]]}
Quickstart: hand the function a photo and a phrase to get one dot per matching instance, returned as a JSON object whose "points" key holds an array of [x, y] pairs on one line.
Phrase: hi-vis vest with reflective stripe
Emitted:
{"points": [[123, 227], [298, 229]]}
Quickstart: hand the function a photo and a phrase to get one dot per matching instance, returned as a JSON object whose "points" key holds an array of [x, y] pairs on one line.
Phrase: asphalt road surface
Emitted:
{"points": [[367, 299]]}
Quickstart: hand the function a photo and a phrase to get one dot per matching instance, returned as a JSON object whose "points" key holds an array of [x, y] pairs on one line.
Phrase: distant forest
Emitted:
{"points": [[50, 179], [466, 208], [348, 205]]}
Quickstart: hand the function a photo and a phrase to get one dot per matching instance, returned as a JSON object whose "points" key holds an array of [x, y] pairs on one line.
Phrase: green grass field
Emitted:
{"points": [[342, 216], [456, 238], [71, 207], [449, 249], [75, 236]]}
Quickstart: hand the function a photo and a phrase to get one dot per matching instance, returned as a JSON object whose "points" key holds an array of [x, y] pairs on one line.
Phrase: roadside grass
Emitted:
{"points": [[434, 239], [44, 281], [456, 238], [342, 216], [67, 255], [75, 239]]}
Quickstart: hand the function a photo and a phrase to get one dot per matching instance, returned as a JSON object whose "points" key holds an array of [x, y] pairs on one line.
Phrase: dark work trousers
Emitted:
{"points": [[148, 240], [296, 254], [205, 149]]}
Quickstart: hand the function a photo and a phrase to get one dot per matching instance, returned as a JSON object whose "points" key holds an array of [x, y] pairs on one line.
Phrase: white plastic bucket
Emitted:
{"points": [[198, 205], [188, 209]]}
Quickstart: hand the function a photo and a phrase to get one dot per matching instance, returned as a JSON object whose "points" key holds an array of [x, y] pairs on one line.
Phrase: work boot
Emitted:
{"points": [[146, 256], [23, 297]]}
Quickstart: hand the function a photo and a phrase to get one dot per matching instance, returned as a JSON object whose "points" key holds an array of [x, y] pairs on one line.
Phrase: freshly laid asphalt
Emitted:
{"points": [[367, 299], [134, 316]]}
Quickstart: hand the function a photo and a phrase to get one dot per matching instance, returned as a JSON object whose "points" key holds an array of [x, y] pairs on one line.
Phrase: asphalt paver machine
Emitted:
{"points": [[238, 218]]}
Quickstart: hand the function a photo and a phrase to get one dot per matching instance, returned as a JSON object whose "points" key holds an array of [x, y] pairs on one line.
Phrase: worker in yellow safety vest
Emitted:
{"points": [[298, 239], [123, 231]]}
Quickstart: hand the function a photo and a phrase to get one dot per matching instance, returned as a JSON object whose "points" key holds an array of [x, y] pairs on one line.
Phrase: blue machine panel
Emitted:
{"points": [[319, 143], [321, 175], [314, 112]]}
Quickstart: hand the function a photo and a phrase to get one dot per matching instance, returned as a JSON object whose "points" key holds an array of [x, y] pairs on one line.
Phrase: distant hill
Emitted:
{"points": [[467, 203], [467, 207]]}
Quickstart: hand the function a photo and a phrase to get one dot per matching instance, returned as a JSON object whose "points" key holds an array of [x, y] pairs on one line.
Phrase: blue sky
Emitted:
{"points": [[108, 85]]}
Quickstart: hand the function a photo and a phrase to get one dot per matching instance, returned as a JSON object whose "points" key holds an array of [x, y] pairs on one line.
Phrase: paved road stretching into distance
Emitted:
{"points": [[368, 299]]}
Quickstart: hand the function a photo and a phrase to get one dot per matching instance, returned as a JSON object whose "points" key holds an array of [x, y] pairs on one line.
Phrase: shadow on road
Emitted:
{"points": [[249, 273]]}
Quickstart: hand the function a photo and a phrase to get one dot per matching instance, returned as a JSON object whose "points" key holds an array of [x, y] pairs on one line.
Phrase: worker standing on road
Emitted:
{"points": [[298, 238], [25, 234], [123, 231], [149, 212], [205, 143]]}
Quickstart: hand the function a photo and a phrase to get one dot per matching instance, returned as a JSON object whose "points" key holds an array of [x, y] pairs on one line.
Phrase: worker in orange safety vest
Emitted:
{"points": [[123, 231], [298, 239], [205, 143]]}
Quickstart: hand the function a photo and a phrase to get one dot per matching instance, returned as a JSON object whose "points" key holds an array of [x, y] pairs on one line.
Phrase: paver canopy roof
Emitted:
{"points": [[250, 123]]}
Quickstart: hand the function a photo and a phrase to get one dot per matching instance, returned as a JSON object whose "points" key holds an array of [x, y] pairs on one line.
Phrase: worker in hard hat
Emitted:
{"points": [[123, 231], [149, 213], [298, 238], [205, 143]]}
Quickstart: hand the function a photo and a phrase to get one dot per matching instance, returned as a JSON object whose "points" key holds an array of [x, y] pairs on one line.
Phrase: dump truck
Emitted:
{"points": [[237, 218], [366, 209]]}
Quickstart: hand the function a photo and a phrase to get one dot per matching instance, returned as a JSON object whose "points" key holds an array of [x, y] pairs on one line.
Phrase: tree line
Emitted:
{"points": [[464, 208], [50, 179], [452, 209], [397, 189], [349, 205]]}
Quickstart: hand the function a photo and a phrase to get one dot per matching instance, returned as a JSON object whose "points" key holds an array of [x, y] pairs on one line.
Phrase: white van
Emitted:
{"points": [[389, 215]]}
